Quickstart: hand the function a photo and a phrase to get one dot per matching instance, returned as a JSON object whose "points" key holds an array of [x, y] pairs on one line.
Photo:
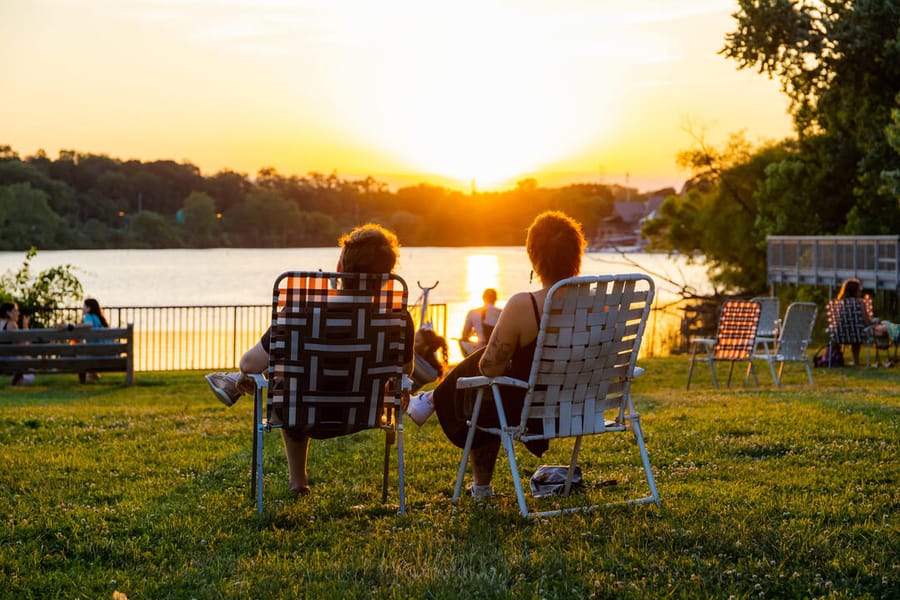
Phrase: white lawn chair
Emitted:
{"points": [[580, 380], [792, 344], [769, 322]]}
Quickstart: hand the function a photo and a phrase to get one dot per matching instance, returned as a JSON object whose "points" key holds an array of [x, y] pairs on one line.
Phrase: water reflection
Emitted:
{"points": [[482, 272]]}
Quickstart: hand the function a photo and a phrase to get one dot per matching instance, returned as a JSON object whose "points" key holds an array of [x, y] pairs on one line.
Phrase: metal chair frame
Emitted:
{"points": [[588, 341]]}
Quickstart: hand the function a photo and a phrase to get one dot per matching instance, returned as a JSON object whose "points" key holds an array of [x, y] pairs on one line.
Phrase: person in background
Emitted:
{"points": [[92, 317], [369, 248], [9, 321], [555, 245], [480, 322], [852, 288]]}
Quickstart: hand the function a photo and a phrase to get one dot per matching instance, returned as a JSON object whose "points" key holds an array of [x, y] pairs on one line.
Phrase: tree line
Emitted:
{"points": [[84, 200], [838, 62]]}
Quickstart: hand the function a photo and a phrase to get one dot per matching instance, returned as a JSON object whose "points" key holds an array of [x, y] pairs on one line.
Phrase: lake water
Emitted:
{"points": [[223, 276]]}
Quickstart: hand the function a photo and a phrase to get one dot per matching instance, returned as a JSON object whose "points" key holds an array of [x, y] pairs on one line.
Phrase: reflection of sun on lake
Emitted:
{"points": [[482, 272]]}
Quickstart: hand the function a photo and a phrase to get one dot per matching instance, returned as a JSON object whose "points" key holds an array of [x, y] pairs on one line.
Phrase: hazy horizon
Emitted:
{"points": [[490, 91]]}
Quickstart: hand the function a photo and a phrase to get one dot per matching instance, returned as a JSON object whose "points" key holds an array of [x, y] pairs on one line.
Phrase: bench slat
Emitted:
{"points": [[63, 351]]}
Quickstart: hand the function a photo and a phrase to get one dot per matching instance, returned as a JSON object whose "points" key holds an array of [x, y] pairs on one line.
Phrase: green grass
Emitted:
{"points": [[766, 493]]}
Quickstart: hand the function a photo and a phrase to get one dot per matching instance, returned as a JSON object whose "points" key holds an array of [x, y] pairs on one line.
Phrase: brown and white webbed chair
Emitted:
{"points": [[336, 359], [736, 337], [580, 380]]}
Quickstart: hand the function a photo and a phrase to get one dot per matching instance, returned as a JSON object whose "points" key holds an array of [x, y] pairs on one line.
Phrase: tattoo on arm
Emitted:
{"points": [[496, 355]]}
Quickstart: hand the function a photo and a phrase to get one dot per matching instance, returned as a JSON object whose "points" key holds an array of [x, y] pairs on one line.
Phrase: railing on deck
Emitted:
{"points": [[176, 338], [829, 260]]}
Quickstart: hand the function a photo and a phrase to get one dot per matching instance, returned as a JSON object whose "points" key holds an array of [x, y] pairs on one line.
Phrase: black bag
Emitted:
{"points": [[829, 356]]}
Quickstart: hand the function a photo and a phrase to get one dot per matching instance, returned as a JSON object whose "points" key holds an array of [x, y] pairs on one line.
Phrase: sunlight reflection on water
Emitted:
{"points": [[245, 275]]}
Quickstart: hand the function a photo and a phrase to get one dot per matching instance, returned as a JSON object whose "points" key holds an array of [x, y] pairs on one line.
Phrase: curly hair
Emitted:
{"points": [[851, 288], [555, 245], [369, 248]]}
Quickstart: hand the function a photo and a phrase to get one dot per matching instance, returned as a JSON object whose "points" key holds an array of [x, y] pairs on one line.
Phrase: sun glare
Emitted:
{"points": [[482, 272], [470, 94]]}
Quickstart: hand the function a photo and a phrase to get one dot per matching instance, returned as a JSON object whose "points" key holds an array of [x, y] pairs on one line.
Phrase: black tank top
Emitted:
{"points": [[520, 363]]}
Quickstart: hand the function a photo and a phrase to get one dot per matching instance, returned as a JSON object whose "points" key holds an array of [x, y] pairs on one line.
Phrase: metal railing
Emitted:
{"points": [[176, 338], [829, 260]]}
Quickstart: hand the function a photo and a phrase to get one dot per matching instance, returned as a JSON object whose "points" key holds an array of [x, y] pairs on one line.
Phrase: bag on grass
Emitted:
{"points": [[550, 480], [829, 356]]}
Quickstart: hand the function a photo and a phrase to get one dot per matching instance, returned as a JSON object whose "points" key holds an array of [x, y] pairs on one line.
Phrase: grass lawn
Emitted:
{"points": [[766, 493]]}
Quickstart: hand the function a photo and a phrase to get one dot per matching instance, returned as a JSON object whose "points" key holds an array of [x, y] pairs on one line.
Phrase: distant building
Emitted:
{"points": [[622, 229]]}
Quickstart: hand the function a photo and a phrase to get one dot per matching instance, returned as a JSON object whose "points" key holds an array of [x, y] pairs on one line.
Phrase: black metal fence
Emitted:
{"points": [[174, 338]]}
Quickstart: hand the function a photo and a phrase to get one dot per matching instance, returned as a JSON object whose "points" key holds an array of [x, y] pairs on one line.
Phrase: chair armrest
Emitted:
{"points": [[464, 383], [260, 381], [703, 341]]}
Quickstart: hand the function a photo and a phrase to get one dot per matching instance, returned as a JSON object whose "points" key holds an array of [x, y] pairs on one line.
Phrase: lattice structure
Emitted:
{"points": [[333, 350], [580, 381], [847, 318], [792, 344], [735, 339], [587, 345], [337, 348], [769, 315]]}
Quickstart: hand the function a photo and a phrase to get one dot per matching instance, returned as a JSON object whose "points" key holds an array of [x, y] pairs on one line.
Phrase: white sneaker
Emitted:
{"points": [[224, 386], [420, 408], [24, 379], [481, 493]]}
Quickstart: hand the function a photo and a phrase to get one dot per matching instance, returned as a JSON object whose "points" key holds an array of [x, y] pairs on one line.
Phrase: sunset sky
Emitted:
{"points": [[448, 92]]}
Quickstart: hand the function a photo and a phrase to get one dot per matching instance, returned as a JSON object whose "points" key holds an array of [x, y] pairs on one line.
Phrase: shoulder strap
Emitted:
{"points": [[534, 306]]}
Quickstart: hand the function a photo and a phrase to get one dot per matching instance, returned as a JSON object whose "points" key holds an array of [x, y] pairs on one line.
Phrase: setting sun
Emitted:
{"points": [[466, 94]]}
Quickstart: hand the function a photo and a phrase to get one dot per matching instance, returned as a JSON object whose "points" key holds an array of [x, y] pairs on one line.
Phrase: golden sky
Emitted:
{"points": [[449, 92]]}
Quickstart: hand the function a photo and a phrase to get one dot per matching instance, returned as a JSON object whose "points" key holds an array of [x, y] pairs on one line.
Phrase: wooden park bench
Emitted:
{"points": [[61, 351]]}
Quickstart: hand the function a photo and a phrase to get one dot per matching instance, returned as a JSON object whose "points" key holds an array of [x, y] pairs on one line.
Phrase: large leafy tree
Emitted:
{"points": [[838, 62], [720, 212]]}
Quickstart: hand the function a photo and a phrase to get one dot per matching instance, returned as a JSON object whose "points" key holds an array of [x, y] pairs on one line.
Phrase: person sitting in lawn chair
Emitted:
{"points": [[367, 249]]}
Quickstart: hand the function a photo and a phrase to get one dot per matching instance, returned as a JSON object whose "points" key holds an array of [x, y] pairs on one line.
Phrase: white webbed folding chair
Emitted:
{"points": [[792, 344], [336, 361], [769, 322], [580, 381]]}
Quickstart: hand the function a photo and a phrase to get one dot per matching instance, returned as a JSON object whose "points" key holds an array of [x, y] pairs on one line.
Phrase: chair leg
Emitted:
{"points": [[808, 372], [461, 474], [752, 370], [639, 436], [730, 371], [387, 463], [777, 379], [401, 474], [259, 469], [571, 472], [256, 423], [691, 367], [506, 439], [712, 369]]}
